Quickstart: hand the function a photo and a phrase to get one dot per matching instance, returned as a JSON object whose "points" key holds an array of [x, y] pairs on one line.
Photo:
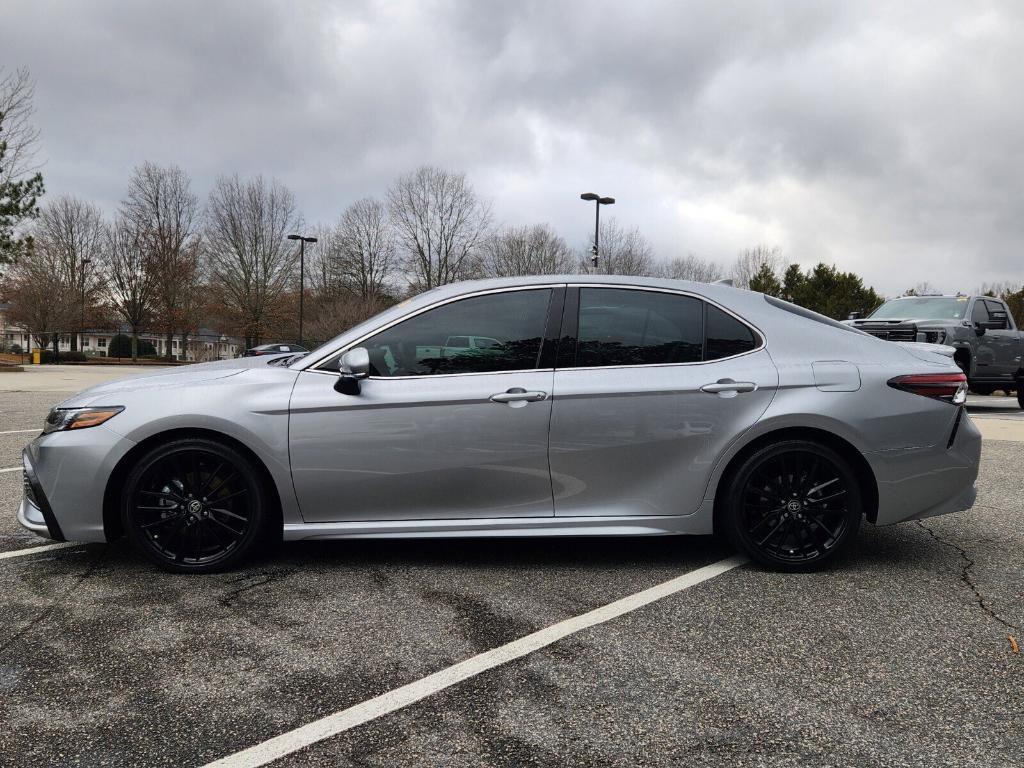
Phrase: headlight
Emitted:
{"points": [[60, 419], [932, 337]]}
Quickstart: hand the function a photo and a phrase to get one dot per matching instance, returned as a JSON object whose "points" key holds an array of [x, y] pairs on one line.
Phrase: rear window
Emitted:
{"points": [[726, 336]]}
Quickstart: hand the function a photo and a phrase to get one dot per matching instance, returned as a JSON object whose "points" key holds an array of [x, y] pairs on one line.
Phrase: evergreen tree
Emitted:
{"points": [[18, 202], [765, 281]]}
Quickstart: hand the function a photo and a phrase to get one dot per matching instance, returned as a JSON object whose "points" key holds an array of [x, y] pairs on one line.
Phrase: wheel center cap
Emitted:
{"points": [[195, 506], [794, 506]]}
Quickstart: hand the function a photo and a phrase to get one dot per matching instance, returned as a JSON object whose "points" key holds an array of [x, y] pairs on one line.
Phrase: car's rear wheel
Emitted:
{"points": [[793, 505], [194, 506]]}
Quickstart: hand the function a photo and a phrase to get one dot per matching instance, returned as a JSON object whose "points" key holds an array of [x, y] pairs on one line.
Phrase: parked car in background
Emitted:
{"points": [[582, 405], [988, 346], [273, 349]]}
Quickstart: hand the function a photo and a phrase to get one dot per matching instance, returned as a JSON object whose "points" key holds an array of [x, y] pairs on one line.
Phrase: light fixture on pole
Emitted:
{"points": [[598, 202], [302, 273]]}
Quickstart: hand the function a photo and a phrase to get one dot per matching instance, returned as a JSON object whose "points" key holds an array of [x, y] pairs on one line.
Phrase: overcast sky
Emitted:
{"points": [[887, 138]]}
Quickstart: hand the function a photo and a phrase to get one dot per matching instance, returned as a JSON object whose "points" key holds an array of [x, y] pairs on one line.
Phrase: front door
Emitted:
{"points": [[451, 424], [659, 385]]}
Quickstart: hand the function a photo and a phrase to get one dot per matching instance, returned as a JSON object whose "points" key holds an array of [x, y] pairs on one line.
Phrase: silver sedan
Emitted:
{"points": [[540, 406]]}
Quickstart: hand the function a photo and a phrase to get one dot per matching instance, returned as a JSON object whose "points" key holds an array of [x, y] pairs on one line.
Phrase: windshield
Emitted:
{"points": [[923, 308]]}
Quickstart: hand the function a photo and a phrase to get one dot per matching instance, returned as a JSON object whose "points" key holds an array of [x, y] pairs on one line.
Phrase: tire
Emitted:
{"points": [[194, 506], [793, 506], [1020, 394]]}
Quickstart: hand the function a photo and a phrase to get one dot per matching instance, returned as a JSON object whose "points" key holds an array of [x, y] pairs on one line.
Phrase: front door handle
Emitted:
{"points": [[519, 395], [727, 386]]}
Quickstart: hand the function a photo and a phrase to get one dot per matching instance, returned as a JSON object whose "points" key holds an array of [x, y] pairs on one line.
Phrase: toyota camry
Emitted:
{"points": [[545, 406]]}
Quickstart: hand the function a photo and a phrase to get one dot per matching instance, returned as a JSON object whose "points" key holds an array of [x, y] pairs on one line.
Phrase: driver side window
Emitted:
{"points": [[483, 334]]}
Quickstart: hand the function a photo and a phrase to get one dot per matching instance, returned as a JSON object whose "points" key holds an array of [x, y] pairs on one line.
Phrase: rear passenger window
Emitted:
{"points": [[726, 336], [627, 327]]}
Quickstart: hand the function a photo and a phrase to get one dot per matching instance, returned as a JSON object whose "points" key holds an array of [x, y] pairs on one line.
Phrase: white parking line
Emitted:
{"points": [[37, 550], [292, 741], [11, 469], [17, 431]]}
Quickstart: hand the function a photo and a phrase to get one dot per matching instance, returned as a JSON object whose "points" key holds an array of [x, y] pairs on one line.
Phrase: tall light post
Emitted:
{"points": [[302, 273], [598, 202], [81, 328]]}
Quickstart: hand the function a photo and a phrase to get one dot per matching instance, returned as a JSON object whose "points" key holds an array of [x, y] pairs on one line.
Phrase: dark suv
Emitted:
{"points": [[980, 328]]}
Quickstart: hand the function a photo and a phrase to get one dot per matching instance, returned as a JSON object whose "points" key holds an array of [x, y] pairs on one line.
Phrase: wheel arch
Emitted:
{"points": [[863, 471], [112, 527]]}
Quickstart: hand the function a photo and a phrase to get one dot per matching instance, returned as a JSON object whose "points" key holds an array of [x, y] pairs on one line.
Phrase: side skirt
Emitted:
{"points": [[659, 525]]}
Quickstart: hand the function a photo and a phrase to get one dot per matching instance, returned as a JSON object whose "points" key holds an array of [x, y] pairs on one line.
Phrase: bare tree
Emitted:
{"points": [[323, 273], [33, 285], [622, 252], [364, 248], [752, 260], [21, 184], [440, 223], [535, 250], [691, 267], [73, 235], [162, 209], [131, 283], [251, 263], [921, 289], [332, 315], [21, 136]]}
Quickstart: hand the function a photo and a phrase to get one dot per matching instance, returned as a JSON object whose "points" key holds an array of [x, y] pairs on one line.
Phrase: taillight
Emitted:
{"points": [[951, 387]]}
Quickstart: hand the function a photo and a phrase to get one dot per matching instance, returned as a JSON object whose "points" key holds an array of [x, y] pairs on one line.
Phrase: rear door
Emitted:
{"points": [[651, 387]]}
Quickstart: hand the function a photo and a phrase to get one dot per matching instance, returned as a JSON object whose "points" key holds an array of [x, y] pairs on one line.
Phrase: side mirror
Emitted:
{"points": [[355, 365], [853, 316]]}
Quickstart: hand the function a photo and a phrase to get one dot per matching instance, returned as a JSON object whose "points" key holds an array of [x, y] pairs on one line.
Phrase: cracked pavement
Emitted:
{"points": [[898, 655]]}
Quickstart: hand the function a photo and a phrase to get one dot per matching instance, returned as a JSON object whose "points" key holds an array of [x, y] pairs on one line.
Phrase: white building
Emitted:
{"points": [[205, 345]]}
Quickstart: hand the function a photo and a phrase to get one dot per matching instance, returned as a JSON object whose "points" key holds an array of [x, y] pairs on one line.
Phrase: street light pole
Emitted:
{"points": [[81, 327], [302, 274], [598, 202]]}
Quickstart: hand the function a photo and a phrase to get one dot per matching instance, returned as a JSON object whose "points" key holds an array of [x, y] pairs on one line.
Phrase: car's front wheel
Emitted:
{"points": [[194, 505], [793, 505]]}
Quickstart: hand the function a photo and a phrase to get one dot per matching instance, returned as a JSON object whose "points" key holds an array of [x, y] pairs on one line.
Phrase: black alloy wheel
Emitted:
{"points": [[794, 505], [194, 506]]}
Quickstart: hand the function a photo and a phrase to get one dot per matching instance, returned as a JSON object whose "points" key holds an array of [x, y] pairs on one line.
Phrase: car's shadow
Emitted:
{"points": [[874, 546]]}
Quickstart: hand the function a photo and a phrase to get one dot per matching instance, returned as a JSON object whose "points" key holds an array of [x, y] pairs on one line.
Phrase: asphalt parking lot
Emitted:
{"points": [[899, 654]]}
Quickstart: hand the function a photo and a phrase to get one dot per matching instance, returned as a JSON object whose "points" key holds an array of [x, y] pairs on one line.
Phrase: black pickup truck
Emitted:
{"points": [[980, 328]]}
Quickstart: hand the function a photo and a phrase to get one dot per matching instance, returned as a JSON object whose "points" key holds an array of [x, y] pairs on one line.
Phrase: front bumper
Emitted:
{"points": [[920, 482], [66, 477], [35, 512]]}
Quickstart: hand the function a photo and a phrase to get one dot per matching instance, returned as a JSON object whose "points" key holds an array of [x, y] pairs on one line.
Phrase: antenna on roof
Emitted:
{"points": [[723, 281]]}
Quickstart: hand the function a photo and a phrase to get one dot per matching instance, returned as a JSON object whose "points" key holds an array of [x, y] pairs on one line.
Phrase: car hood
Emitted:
{"points": [[162, 378], [898, 320]]}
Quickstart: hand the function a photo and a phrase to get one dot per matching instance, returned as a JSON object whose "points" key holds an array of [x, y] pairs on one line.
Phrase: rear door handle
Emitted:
{"points": [[728, 385], [519, 395]]}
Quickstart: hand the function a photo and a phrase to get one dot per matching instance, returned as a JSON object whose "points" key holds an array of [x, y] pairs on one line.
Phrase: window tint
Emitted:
{"points": [[628, 327], [979, 314], [726, 336], [507, 326]]}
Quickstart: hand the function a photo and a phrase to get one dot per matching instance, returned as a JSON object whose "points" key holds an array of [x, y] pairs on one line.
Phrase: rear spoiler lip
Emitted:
{"points": [[921, 346]]}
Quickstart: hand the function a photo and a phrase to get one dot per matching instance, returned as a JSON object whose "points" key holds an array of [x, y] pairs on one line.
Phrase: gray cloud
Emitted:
{"points": [[883, 137]]}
